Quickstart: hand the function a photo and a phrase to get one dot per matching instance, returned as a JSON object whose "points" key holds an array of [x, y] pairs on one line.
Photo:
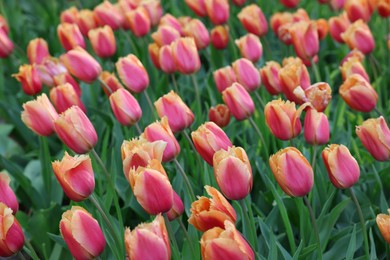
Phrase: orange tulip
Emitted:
{"points": [[220, 115], [220, 36], [70, 36], [270, 77], [383, 222], [28, 75], [253, 20]]}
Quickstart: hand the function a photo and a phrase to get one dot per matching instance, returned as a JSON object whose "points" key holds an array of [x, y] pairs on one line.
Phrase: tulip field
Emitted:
{"points": [[194, 129]]}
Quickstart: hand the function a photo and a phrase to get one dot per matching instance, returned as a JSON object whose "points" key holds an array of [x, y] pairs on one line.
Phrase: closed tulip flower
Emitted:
{"points": [[185, 55], [220, 115], [207, 213], [218, 11], [220, 36], [355, 53], [154, 9], [153, 236], [305, 39], [171, 21], [208, 139], [37, 50], [64, 96], [154, 54], [6, 45], [352, 66], [165, 35], [358, 93], [337, 4], [316, 127], [197, 6], [28, 75], [177, 208], [178, 113], [162, 131], [338, 25], [7, 195], [75, 130], [233, 172], [86, 21], [75, 175], [270, 77], [359, 36], [64, 78], [384, 8], [70, 36], [4, 25], [165, 59], [103, 41], [238, 2], [11, 237], [342, 167], [374, 133], [81, 65], [82, 233], [151, 187], [289, 3], [225, 243], [358, 9], [125, 107], [107, 14], [247, 74], [322, 28], [250, 47], [239, 101], [279, 19], [132, 73], [139, 21], [197, 30], [253, 20], [383, 222], [69, 15], [39, 115], [292, 171], [111, 81], [224, 78]]}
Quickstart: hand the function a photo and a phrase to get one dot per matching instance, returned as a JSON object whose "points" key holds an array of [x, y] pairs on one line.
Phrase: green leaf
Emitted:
{"points": [[352, 244]]}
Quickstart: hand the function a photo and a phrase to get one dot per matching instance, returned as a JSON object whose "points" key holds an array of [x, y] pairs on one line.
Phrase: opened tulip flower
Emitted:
{"points": [[7, 195], [125, 107], [70, 36], [82, 233], [64, 96], [11, 235], [220, 115], [37, 50], [224, 78], [383, 222], [318, 95], [270, 77], [316, 127], [253, 20], [49, 68], [220, 36], [239, 101], [247, 74], [103, 41], [132, 73], [29, 77]]}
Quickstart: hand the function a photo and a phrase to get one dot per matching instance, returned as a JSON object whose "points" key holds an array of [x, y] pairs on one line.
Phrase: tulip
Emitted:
{"points": [[184, 20], [253, 20], [197, 30], [292, 171], [107, 14], [337, 4], [207, 213], [154, 9], [208, 139], [64, 96], [37, 50], [178, 113], [70, 36], [352, 66], [11, 235], [217, 11], [279, 19], [151, 187], [186, 55], [7, 195], [220, 36], [197, 6], [39, 115], [384, 8], [238, 2], [282, 119], [358, 93], [49, 68], [111, 81], [177, 208], [166, 61], [165, 35], [86, 21], [139, 21], [224, 78], [132, 73], [239, 101], [305, 39], [342, 167], [225, 243], [318, 95], [171, 21], [125, 107], [359, 36], [64, 78], [151, 236], [6, 45], [103, 41], [358, 9], [75, 175], [270, 77], [4, 25], [220, 115], [81, 64], [247, 74], [29, 77], [75, 130], [289, 3], [316, 127], [250, 47], [69, 15], [233, 172], [338, 25], [374, 134], [82, 233], [383, 222], [154, 53]]}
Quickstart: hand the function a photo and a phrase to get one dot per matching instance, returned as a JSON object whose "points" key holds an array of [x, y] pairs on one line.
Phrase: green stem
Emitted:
{"points": [[315, 227], [175, 250], [31, 252], [313, 160], [138, 128], [197, 95], [378, 112], [246, 226], [45, 162], [364, 229], [149, 100], [316, 71], [262, 104], [186, 180], [105, 85], [198, 159], [257, 130], [20, 256], [187, 236], [174, 83]]}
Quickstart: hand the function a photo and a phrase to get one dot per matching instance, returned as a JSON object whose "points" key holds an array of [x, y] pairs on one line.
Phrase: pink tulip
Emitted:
{"points": [[132, 73], [239, 101], [316, 127], [11, 235], [125, 107], [7, 195]]}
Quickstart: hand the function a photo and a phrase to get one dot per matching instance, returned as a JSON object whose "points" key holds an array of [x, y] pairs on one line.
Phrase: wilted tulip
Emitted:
{"points": [[186, 55], [111, 81], [253, 20], [86, 21], [125, 107], [11, 237], [107, 14], [197, 6], [64, 96], [316, 127], [37, 50], [352, 66], [224, 78], [165, 35], [247, 74], [6, 45], [7, 195], [197, 30], [318, 95], [132, 73], [139, 21], [70, 36], [220, 115], [28, 75], [250, 47], [220, 36], [383, 222], [239, 101], [338, 25], [207, 213], [270, 77], [218, 11], [358, 35], [177, 208], [103, 41]]}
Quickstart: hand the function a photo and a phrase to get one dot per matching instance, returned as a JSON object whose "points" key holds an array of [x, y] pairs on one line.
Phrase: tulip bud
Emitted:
{"points": [[224, 78], [48, 69], [177, 208], [289, 3], [358, 93], [253, 20], [37, 50], [144, 182], [305, 39], [316, 127], [384, 8], [353, 66], [197, 6], [64, 78], [148, 235], [250, 47], [111, 81], [103, 41], [165, 59], [208, 139], [225, 243], [233, 172], [82, 233], [107, 14], [29, 77], [218, 11], [220, 36], [358, 9], [125, 107], [270, 77], [70, 36], [282, 119], [292, 171], [207, 213], [39, 115], [342, 167], [358, 35], [69, 15], [75, 175], [139, 21], [247, 74], [178, 113], [81, 64], [132, 73], [197, 30], [170, 20], [7, 195], [165, 35], [383, 222], [6, 45], [239, 101], [11, 235], [338, 25], [75, 130], [64, 96], [374, 134], [86, 21], [186, 55], [220, 115]]}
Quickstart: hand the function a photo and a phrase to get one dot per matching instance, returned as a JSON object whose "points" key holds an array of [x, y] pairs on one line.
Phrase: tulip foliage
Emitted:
{"points": [[196, 129]]}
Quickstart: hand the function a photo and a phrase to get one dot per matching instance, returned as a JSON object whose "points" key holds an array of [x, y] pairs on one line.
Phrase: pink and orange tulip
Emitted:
{"points": [[125, 107], [220, 115], [103, 41], [7, 195], [70, 36], [224, 78], [239, 101], [29, 76], [218, 11], [220, 36], [250, 47], [270, 77], [65, 96], [185, 55], [139, 21], [37, 50], [247, 74], [11, 237], [358, 36], [253, 20], [316, 127], [107, 14], [132, 73]]}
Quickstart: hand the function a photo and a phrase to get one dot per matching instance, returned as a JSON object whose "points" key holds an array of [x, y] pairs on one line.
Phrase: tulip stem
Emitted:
{"points": [[187, 236], [246, 227], [378, 112], [186, 180], [174, 83], [313, 221], [364, 230], [105, 85], [138, 128], [313, 159], [31, 252], [197, 95], [257, 130], [149, 100], [45, 162], [260, 99], [21, 256], [316, 71], [199, 161], [175, 251]]}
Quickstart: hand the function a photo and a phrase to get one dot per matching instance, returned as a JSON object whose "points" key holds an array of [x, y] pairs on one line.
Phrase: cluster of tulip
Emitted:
{"points": [[176, 48]]}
